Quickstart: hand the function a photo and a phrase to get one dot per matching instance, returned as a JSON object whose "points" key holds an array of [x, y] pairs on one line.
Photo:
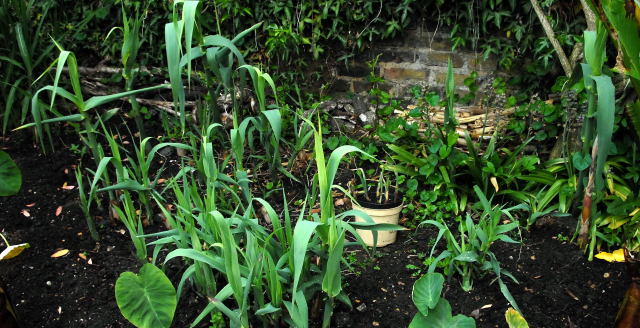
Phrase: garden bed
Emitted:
{"points": [[558, 286]]}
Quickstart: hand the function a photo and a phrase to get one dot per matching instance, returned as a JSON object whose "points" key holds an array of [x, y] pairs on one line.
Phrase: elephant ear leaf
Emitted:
{"points": [[148, 299], [10, 175]]}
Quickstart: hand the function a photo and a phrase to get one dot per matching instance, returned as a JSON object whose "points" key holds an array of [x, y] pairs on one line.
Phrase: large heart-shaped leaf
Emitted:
{"points": [[440, 317], [426, 291], [147, 300], [10, 175]]}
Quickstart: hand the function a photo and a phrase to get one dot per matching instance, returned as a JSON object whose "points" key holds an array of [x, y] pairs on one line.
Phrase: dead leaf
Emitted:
{"points": [[31, 205], [82, 256], [25, 213], [161, 181], [13, 251], [58, 210], [615, 256], [65, 186], [60, 253], [494, 182]]}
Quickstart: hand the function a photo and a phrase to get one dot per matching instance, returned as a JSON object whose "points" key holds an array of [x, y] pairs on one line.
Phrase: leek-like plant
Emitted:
{"points": [[469, 254]]}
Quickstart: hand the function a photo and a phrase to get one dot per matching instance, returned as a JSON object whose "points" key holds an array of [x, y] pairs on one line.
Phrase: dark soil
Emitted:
{"points": [[75, 290], [558, 286]]}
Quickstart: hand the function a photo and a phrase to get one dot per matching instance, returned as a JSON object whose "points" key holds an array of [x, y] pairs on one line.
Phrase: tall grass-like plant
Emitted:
{"points": [[23, 55], [131, 43], [86, 114], [278, 274], [598, 127]]}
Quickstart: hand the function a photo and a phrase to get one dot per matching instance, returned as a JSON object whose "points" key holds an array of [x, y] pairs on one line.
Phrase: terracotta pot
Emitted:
{"points": [[380, 213]]}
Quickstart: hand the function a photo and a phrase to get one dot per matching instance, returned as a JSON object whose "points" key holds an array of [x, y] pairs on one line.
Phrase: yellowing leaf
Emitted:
{"points": [[635, 212], [494, 182], [13, 251], [616, 222], [615, 256], [59, 253], [514, 319]]}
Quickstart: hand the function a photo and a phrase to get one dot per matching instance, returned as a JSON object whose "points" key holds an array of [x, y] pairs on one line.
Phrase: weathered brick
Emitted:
{"points": [[404, 73], [341, 85], [354, 69], [398, 55], [361, 86], [441, 77], [439, 44], [432, 58], [478, 63]]}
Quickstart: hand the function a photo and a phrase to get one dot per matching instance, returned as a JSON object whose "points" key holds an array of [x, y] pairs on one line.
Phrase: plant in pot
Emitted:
{"points": [[381, 201]]}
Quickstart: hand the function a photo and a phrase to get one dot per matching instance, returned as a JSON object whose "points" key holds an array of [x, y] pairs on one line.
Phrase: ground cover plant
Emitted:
{"points": [[214, 189]]}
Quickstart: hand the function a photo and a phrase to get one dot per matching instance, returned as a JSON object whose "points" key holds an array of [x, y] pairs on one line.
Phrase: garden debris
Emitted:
{"points": [[606, 275], [65, 186], [25, 213], [58, 210], [31, 205], [571, 294], [60, 253], [361, 307], [615, 256]]}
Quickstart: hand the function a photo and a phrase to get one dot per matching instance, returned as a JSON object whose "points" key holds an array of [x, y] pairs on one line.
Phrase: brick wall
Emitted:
{"points": [[418, 58]]}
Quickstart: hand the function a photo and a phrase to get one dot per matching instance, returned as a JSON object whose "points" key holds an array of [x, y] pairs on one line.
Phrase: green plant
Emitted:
{"points": [[131, 43], [386, 189], [470, 253], [433, 310], [10, 175], [598, 126], [539, 204], [147, 299], [86, 109], [23, 55]]}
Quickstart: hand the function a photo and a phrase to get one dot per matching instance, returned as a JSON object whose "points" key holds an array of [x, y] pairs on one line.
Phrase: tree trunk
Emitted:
{"points": [[548, 30]]}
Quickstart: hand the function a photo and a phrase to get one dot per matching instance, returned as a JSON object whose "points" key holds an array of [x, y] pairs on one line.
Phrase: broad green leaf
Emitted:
{"points": [[10, 175], [580, 161], [426, 292], [468, 256], [301, 235], [147, 300], [332, 280], [605, 117], [268, 308], [440, 317]]}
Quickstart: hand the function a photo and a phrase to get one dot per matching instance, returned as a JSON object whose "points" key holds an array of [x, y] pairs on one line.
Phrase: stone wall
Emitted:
{"points": [[418, 58]]}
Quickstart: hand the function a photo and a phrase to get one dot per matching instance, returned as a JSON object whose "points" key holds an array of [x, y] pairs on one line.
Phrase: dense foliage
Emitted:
{"points": [[245, 135]]}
